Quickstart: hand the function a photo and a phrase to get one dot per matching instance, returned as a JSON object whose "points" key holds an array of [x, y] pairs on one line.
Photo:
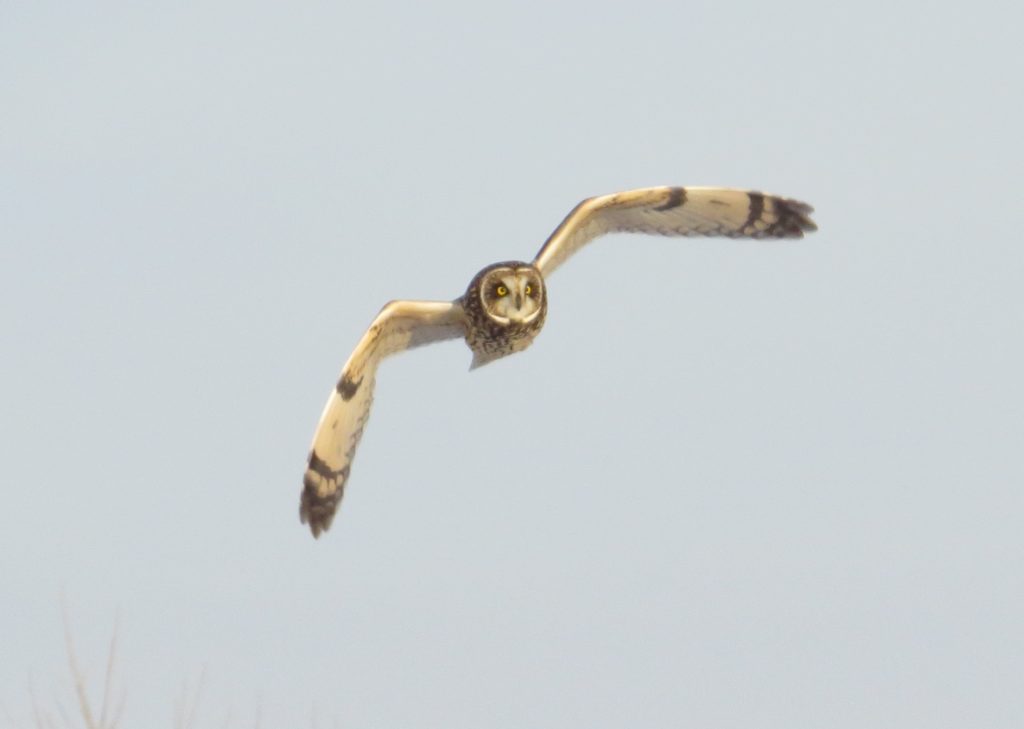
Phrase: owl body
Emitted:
{"points": [[505, 305]]}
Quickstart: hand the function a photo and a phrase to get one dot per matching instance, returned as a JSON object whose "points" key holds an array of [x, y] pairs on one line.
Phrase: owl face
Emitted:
{"points": [[512, 294]]}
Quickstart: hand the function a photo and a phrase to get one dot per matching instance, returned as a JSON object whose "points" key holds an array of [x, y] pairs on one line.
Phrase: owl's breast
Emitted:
{"points": [[491, 340]]}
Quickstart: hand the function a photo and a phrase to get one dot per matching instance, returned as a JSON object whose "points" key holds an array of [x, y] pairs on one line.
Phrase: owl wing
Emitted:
{"points": [[400, 325], [712, 211]]}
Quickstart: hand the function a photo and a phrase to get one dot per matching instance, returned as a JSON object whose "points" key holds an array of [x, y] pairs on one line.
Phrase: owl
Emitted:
{"points": [[505, 305]]}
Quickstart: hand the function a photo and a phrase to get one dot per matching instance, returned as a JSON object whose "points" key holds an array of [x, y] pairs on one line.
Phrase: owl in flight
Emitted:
{"points": [[504, 307]]}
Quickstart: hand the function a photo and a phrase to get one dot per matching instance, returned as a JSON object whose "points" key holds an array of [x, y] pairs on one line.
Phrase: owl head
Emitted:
{"points": [[511, 294]]}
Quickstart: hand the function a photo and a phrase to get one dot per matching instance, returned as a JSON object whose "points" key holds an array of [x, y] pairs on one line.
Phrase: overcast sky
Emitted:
{"points": [[732, 484]]}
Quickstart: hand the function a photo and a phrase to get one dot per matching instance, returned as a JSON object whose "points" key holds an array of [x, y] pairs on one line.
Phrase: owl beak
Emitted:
{"points": [[519, 300]]}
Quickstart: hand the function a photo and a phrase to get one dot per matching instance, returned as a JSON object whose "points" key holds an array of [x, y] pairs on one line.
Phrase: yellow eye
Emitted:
{"points": [[502, 291], [529, 289]]}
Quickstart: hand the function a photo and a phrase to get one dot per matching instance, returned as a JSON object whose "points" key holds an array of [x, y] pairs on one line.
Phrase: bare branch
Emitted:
{"points": [[63, 713], [76, 673], [116, 720], [108, 679]]}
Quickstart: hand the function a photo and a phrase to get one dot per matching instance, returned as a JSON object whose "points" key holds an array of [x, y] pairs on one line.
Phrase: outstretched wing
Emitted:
{"points": [[400, 325], [715, 211]]}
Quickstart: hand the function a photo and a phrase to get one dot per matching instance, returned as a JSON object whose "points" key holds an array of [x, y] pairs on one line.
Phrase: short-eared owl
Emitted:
{"points": [[505, 304]]}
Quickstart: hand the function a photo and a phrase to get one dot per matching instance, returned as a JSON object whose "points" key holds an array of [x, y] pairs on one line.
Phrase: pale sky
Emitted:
{"points": [[732, 484]]}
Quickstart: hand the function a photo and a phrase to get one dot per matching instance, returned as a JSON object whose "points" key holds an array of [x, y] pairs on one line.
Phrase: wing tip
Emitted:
{"points": [[793, 219], [317, 505], [316, 511]]}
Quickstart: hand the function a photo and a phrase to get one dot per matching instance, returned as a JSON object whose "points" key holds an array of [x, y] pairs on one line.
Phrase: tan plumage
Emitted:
{"points": [[400, 325], [682, 211], [505, 305]]}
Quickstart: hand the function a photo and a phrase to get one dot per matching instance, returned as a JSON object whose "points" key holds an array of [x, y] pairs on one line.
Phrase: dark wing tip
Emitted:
{"points": [[315, 509], [793, 219]]}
